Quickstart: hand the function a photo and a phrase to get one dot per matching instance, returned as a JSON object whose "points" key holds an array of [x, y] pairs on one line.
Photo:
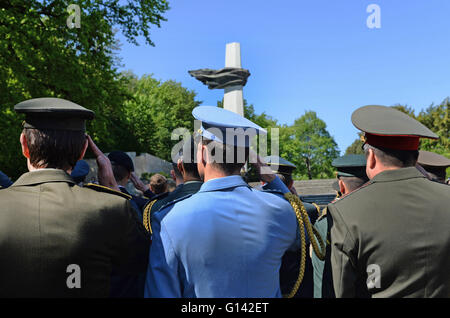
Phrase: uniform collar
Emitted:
{"points": [[397, 174], [43, 176], [124, 190], [223, 183]]}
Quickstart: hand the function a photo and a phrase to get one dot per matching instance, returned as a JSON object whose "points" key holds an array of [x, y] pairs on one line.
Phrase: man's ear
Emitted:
{"points": [[342, 187], [86, 144], [205, 154], [23, 142], [180, 167]]}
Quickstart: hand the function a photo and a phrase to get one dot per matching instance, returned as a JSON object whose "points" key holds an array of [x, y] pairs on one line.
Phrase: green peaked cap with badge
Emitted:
{"points": [[350, 166], [387, 127], [54, 113], [280, 165]]}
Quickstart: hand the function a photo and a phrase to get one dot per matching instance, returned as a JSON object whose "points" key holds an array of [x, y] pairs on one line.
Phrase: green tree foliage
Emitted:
{"points": [[40, 56], [436, 118], [154, 111], [308, 145], [356, 147]]}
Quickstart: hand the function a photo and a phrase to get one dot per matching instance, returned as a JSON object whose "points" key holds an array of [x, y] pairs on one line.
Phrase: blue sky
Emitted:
{"points": [[307, 55]]}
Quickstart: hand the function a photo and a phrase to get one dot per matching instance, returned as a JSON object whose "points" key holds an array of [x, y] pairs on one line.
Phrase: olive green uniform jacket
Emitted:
{"points": [[391, 238], [49, 227]]}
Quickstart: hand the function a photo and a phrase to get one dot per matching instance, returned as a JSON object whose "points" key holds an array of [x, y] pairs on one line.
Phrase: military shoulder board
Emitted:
{"points": [[273, 191], [175, 201], [100, 188]]}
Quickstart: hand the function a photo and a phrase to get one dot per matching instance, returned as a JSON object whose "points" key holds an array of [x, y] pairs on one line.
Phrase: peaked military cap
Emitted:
{"points": [[54, 113], [122, 159], [350, 166], [226, 127], [280, 165], [436, 165], [431, 159], [388, 127]]}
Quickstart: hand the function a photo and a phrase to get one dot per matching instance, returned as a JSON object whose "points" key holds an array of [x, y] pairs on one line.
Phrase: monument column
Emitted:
{"points": [[233, 98]]}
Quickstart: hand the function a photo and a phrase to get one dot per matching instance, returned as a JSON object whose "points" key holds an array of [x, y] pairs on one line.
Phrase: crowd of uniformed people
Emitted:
{"points": [[207, 232]]}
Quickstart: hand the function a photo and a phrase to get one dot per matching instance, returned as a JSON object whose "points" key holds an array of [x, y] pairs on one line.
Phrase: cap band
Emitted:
{"points": [[32, 122], [393, 142]]}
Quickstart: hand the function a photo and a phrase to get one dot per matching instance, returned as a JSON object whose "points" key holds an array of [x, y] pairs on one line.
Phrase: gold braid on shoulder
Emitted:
{"points": [[146, 217], [303, 222]]}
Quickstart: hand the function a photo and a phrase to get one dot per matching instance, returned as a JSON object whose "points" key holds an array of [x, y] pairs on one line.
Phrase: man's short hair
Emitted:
{"points": [[189, 158], [353, 183], [227, 165], [120, 172], [158, 183], [58, 149], [394, 157]]}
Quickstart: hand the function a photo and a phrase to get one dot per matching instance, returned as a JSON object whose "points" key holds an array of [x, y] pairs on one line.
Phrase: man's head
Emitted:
{"points": [[212, 158], [158, 184], [283, 169], [176, 175], [122, 166], [434, 164], [54, 133], [391, 138], [187, 162], [351, 172], [224, 141], [381, 159]]}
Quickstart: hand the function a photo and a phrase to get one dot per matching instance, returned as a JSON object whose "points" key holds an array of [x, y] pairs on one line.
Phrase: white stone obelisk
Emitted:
{"points": [[233, 98]]}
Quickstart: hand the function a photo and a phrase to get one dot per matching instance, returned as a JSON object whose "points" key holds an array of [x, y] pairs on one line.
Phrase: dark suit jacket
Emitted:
{"points": [[47, 224], [396, 229]]}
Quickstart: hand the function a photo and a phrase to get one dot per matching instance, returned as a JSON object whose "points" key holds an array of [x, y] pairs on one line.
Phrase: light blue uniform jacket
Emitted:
{"points": [[225, 241]]}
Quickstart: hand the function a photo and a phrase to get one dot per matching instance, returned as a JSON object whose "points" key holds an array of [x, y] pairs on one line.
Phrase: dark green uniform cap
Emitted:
{"points": [[280, 165], [54, 113], [434, 164], [387, 127], [350, 166], [431, 159]]}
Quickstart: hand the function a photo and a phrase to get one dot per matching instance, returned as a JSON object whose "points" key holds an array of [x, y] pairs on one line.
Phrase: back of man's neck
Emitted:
{"points": [[218, 176]]}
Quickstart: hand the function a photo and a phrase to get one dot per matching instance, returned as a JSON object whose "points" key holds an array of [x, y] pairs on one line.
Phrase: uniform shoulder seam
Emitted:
{"points": [[175, 201], [100, 188], [365, 185]]}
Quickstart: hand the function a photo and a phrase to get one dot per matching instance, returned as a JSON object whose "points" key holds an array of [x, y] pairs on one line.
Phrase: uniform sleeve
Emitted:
{"points": [[135, 244], [318, 265], [343, 260], [276, 185], [162, 276]]}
